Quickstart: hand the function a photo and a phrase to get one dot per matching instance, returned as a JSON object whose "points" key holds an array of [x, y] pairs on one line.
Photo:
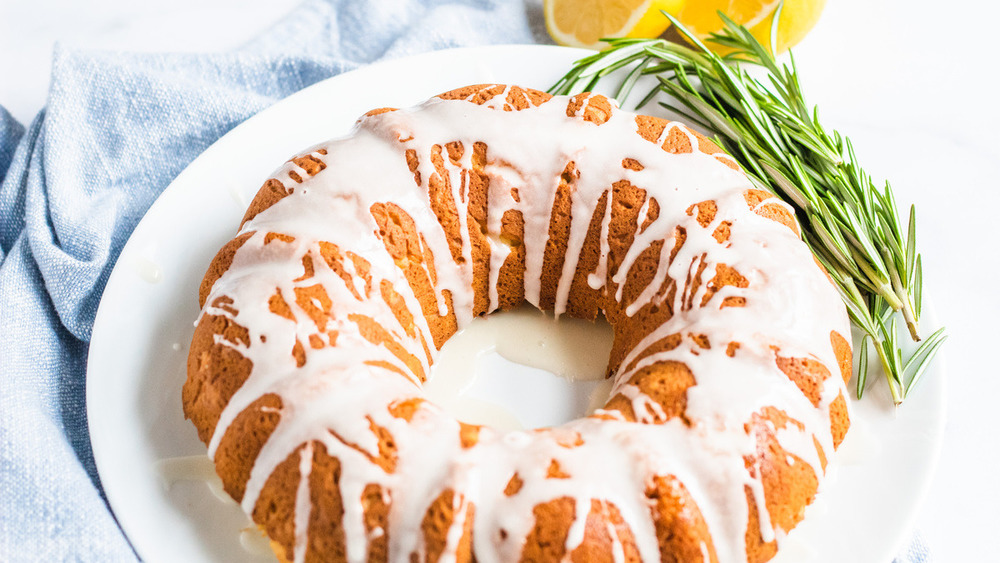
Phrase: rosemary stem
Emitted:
{"points": [[887, 370], [903, 299], [912, 323], [883, 288], [765, 125]]}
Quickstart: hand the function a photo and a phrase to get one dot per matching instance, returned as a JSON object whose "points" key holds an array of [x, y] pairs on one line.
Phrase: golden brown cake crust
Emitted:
{"points": [[464, 213]]}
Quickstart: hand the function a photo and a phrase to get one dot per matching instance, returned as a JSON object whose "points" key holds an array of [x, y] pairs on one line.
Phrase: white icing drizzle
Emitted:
{"points": [[789, 306], [706, 557], [302, 505], [596, 278]]}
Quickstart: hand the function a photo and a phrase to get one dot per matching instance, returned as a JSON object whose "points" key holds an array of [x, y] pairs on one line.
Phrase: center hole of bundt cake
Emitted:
{"points": [[523, 369]]}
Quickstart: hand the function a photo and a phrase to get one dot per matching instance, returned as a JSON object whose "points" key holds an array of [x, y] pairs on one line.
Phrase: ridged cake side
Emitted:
{"points": [[363, 255]]}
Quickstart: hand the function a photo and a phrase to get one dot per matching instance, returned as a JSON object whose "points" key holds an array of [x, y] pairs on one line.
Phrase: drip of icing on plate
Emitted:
{"points": [[199, 468]]}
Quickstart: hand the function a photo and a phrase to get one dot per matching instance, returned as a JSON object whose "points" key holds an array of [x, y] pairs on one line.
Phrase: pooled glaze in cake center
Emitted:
{"points": [[347, 286], [481, 372]]}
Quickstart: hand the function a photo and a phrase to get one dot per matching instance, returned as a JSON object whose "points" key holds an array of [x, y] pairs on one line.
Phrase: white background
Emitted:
{"points": [[912, 83]]}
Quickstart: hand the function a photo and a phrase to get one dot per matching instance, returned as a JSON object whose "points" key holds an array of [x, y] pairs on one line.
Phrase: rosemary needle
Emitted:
{"points": [[758, 114]]}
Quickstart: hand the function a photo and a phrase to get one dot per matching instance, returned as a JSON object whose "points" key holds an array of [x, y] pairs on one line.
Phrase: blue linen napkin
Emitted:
{"points": [[117, 128]]}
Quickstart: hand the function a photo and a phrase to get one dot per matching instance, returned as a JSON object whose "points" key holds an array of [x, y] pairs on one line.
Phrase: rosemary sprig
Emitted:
{"points": [[851, 225]]}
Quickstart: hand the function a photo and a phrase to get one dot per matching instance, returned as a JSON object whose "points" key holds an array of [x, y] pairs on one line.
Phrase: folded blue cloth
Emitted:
{"points": [[118, 127]]}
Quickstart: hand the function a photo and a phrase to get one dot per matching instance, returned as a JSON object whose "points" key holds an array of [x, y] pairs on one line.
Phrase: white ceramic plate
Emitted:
{"points": [[145, 321]]}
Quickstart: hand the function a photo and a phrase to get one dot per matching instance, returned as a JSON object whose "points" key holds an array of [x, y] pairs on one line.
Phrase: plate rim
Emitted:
{"points": [[100, 447]]}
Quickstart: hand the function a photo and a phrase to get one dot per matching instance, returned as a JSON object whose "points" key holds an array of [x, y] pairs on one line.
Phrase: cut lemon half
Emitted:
{"points": [[797, 18], [582, 23], [702, 16]]}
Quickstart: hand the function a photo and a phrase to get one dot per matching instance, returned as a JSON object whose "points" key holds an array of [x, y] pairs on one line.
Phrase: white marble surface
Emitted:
{"points": [[912, 83]]}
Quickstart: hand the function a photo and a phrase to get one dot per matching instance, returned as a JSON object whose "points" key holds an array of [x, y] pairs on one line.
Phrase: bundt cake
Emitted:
{"points": [[361, 256]]}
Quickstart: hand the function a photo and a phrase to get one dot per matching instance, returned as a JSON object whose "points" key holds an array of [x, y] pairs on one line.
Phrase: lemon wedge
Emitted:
{"points": [[582, 23]]}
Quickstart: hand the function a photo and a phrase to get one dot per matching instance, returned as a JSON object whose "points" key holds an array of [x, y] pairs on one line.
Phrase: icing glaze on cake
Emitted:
{"points": [[362, 255]]}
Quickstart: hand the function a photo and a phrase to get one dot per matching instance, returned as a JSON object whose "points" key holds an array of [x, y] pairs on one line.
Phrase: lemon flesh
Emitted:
{"points": [[797, 18], [583, 23]]}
